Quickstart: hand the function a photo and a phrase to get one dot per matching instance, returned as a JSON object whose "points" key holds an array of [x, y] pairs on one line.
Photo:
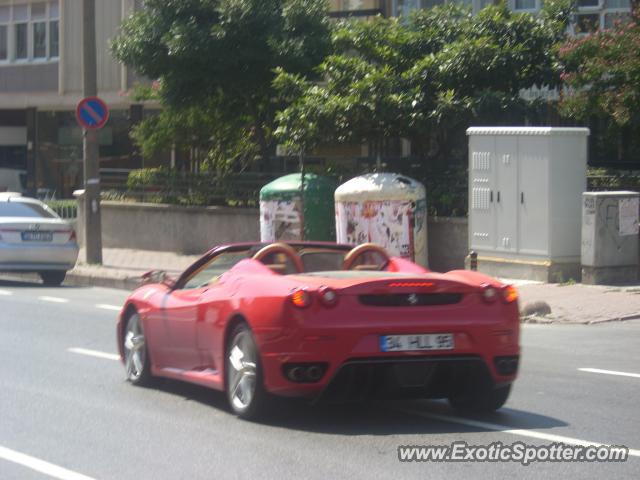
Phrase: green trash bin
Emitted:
{"points": [[285, 214]]}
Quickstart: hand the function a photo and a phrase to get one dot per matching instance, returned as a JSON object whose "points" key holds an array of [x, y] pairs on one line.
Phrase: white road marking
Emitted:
{"points": [[40, 465], [103, 306], [54, 299], [514, 431], [5, 292], [94, 353], [610, 372]]}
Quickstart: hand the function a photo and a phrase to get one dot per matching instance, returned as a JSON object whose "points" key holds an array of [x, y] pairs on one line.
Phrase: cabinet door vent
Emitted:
{"points": [[481, 160], [480, 198]]}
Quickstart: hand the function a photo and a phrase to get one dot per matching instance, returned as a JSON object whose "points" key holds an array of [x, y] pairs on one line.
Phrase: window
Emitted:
{"points": [[23, 209], [5, 18], [588, 3], [614, 4], [30, 31], [54, 39], [613, 19], [21, 40], [525, 5], [40, 40], [209, 272], [587, 23], [4, 44]]}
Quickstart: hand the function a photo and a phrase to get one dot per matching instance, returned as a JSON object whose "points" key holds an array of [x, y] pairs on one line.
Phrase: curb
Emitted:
{"points": [[87, 280]]}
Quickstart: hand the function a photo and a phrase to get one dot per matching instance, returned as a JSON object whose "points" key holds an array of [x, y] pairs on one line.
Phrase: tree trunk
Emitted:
{"points": [[265, 152]]}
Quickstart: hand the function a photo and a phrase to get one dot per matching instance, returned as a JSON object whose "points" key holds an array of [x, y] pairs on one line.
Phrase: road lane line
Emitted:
{"points": [[53, 299], [5, 292], [610, 372], [40, 465], [94, 353], [103, 306], [514, 431]]}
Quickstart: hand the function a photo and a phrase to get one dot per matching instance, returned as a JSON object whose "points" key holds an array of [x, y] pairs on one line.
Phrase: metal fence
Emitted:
{"points": [[447, 193]]}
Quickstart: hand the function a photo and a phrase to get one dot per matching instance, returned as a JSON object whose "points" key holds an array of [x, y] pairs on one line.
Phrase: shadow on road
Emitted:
{"points": [[369, 418]]}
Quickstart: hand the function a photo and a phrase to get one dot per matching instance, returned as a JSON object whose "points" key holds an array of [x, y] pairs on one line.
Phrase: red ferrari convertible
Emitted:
{"points": [[323, 321]]}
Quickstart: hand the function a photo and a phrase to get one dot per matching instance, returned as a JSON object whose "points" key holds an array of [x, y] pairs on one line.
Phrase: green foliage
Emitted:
{"points": [[222, 144], [602, 179], [67, 209], [602, 71], [421, 78], [216, 58], [164, 185]]}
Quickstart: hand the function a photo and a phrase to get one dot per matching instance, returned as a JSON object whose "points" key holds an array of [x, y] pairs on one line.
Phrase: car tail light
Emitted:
{"points": [[328, 296], [300, 298], [72, 236], [509, 294], [489, 293]]}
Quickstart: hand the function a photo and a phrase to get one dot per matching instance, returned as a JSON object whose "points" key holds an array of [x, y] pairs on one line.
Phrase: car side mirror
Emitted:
{"points": [[158, 276]]}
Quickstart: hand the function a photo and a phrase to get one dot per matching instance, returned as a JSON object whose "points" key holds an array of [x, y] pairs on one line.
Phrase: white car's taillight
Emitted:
{"points": [[73, 237]]}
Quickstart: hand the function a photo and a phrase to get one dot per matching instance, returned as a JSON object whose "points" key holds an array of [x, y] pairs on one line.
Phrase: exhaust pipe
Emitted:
{"points": [[296, 374], [314, 373]]}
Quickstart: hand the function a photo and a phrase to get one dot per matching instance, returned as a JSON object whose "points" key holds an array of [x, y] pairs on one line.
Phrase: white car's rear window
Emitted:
{"points": [[23, 209]]}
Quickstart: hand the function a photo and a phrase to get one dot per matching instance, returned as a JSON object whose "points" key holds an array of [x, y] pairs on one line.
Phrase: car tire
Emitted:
{"points": [[136, 354], [244, 385], [53, 278], [486, 399]]}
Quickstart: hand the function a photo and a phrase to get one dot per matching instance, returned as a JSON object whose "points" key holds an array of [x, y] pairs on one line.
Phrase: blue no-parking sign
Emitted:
{"points": [[92, 113]]}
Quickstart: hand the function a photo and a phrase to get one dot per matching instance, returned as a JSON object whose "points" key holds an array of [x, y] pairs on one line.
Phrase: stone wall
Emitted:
{"points": [[193, 230]]}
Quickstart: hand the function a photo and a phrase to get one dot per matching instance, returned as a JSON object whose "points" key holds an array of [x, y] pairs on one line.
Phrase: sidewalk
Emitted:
{"points": [[580, 303], [574, 303], [122, 268]]}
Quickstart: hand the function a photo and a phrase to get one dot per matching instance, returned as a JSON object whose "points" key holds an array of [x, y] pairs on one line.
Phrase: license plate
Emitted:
{"points": [[37, 236], [405, 343]]}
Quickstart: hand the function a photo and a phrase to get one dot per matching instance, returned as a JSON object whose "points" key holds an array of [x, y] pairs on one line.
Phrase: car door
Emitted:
{"points": [[179, 314], [188, 309]]}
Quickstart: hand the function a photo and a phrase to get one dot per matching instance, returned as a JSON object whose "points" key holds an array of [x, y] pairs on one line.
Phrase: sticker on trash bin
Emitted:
{"points": [[629, 215], [280, 220], [396, 225]]}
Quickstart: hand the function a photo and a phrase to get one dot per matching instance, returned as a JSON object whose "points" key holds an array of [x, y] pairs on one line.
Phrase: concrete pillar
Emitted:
{"points": [[32, 148]]}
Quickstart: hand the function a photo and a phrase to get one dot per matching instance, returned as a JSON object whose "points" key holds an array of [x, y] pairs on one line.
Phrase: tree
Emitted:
{"points": [[219, 56], [422, 77], [602, 71]]}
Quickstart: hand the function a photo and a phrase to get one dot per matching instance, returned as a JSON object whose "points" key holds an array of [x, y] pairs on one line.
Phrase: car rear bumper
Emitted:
{"points": [[426, 377], [432, 375], [37, 257], [487, 346]]}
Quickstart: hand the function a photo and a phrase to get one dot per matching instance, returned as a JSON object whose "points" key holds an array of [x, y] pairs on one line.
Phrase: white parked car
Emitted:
{"points": [[33, 238]]}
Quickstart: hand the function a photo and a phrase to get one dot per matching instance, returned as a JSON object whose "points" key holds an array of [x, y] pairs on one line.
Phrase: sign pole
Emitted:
{"points": [[90, 145]]}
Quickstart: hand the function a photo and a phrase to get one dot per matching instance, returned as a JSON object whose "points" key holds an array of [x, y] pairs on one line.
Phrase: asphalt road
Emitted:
{"points": [[69, 414]]}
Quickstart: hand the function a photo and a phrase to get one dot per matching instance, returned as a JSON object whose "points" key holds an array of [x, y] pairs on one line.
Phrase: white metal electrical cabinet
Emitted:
{"points": [[525, 190]]}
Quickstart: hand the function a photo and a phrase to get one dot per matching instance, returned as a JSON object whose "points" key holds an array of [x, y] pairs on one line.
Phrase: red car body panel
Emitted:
{"points": [[187, 330]]}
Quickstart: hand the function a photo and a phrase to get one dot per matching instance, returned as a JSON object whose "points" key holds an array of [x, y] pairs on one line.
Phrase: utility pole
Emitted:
{"points": [[90, 145]]}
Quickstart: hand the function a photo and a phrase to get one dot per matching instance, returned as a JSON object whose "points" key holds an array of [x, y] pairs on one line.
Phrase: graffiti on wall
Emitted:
{"points": [[397, 225], [628, 214], [280, 220]]}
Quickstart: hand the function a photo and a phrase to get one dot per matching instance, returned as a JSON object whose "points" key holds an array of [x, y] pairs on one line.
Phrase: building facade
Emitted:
{"points": [[40, 86]]}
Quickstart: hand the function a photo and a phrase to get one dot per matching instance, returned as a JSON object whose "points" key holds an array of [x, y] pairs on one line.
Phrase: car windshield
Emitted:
{"points": [[24, 209], [210, 272]]}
